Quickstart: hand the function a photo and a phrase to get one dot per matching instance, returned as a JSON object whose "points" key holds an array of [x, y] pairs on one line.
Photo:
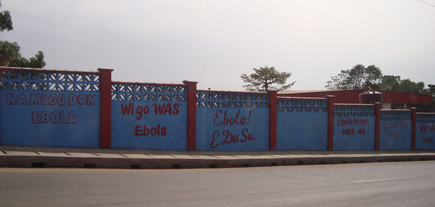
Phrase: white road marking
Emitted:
{"points": [[384, 179]]}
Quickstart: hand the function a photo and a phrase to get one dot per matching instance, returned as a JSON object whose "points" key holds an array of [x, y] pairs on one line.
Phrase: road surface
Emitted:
{"points": [[372, 184]]}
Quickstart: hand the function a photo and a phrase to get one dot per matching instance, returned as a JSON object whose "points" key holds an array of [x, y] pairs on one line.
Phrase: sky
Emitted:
{"points": [[213, 42]]}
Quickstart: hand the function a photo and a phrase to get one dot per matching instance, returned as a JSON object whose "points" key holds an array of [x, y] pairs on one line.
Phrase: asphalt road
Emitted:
{"points": [[373, 184]]}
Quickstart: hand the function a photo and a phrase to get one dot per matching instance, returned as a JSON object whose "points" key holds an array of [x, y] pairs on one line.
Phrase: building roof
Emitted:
{"points": [[353, 96]]}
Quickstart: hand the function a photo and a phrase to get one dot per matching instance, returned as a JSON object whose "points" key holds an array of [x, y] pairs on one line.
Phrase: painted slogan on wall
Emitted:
{"points": [[393, 129], [354, 127], [396, 130], [152, 117], [225, 135], [49, 108], [50, 118], [66, 114], [425, 131], [428, 131], [224, 124], [141, 111]]}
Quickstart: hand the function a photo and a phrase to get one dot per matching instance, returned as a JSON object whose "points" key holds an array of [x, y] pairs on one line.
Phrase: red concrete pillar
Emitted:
{"points": [[273, 111], [331, 112], [191, 115], [105, 107], [414, 127], [377, 124]]}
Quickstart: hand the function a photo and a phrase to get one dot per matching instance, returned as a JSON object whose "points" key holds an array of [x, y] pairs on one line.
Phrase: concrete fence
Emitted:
{"points": [[88, 109]]}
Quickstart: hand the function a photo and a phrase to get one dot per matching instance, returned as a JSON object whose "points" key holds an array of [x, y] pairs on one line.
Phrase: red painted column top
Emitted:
{"points": [[191, 114], [106, 107], [273, 110]]}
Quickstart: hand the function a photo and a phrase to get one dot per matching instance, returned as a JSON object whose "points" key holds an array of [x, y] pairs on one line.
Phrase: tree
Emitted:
{"points": [[5, 20], [37, 61], [390, 83], [358, 77], [10, 52], [10, 56], [266, 78], [394, 83], [411, 87]]}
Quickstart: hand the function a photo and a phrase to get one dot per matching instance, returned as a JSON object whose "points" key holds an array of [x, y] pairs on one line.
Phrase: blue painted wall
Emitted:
{"points": [[149, 116], [395, 130], [425, 132], [57, 108], [312, 134], [49, 109], [232, 121], [354, 127]]}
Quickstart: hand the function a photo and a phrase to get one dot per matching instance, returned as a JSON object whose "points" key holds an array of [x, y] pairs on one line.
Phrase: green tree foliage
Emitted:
{"points": [[358, 77], [5, 20], [412, 87], [394, 83], [37, 61], [390, 83], [10, 56], [10, 52], [266, 78]]}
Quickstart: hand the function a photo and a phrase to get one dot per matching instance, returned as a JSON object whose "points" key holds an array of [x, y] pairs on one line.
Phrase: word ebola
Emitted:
{"points": [[144, 130], [159, 109], [355, 121], [222, 117], [54, 117]]}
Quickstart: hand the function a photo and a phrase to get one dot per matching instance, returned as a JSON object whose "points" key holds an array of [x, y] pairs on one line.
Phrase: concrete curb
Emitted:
{"points": [[25, 159]]}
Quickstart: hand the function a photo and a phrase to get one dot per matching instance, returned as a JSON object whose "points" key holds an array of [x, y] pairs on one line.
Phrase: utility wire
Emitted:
{"points": [[427, 3]]}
